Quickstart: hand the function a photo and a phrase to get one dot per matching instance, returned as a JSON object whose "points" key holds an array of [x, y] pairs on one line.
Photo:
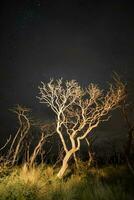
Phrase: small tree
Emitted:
{"points": [[47, 131], [22, 133], [78, 111]]}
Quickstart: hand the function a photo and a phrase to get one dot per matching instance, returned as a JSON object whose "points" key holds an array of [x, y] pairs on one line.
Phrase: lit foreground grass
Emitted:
{"points": [[40, 183]]}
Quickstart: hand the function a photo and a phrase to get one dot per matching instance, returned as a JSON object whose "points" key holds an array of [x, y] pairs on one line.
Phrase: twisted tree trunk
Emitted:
{"points": [[65, 162]]}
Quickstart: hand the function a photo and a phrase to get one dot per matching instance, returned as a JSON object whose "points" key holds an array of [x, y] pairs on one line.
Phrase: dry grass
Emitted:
{"points": [[40, 183]]}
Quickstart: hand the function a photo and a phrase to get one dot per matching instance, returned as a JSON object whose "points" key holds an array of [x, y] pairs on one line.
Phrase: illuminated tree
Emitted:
{"points": [[20, 143], [78, 111], [47, 131], [22, 133]]}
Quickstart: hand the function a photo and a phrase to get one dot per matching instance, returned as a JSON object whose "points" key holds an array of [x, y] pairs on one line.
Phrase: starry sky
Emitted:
{"points": [[74, 39]]}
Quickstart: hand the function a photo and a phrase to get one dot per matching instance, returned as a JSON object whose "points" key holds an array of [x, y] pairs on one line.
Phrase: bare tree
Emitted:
{"points": [[21, 143], [22, 132], [47, 131], [78, 111]]}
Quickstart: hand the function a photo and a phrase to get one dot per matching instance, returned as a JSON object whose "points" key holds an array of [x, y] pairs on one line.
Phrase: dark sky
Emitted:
{"points": [[78, 39]]}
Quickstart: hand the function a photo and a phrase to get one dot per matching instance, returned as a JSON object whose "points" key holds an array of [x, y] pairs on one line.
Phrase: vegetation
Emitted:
{"points": [[42, 161], [78, 111], [41, 183]]}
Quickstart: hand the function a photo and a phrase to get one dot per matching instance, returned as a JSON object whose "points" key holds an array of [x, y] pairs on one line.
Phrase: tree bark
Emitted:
{"points": [[65, 163]]}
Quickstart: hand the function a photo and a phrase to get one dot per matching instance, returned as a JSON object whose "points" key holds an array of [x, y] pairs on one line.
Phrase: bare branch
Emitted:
{"points": [[7, 142]]}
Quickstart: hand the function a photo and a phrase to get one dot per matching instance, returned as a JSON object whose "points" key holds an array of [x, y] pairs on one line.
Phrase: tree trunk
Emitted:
{"points": [[65, 163], [129, 143]]}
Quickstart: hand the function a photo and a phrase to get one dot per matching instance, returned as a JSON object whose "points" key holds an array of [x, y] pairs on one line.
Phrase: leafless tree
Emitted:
{"points": [[21, 143], [22, 132], [47, 131], [78, 111]]}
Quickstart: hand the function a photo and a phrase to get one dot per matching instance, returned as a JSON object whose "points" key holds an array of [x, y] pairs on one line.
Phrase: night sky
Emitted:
{"points": [[78, 39]]}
